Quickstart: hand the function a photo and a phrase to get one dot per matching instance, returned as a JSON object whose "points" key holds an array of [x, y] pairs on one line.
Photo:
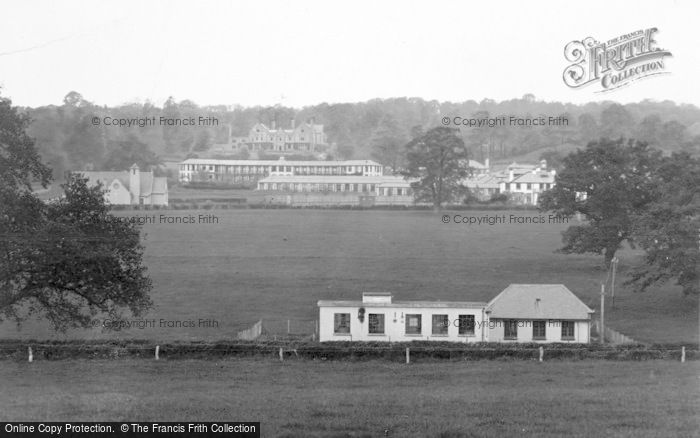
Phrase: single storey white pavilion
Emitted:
{"points": [[541, 313]]}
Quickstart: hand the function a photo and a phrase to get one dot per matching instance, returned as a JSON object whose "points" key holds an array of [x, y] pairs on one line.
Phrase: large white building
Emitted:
{"points": [[526, 187], [523, 183], [307, 138], [132, 187], [341, 190], [250, 171], [541, 313]]}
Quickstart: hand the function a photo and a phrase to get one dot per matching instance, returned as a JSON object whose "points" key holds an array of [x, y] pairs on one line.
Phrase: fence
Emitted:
{"points": [[612, 336], [251, 333], [289, 329]]}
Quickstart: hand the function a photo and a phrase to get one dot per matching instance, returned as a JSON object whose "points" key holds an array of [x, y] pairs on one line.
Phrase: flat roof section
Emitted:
{"points": [[410, 304]]}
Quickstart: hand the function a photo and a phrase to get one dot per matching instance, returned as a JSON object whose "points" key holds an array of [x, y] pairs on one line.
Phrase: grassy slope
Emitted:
{"points": [[275, 264], [308, 398]]}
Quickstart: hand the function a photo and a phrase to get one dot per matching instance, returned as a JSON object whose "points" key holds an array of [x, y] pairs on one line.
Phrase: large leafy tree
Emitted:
{"points": [[439, 161], [68, 261], [609, 182], [387, 143], [83, 142], [668, 228], [124, 153]]}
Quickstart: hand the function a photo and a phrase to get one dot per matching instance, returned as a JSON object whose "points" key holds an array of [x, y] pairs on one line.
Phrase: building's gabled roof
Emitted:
{"points": [[476, 165], [537, 301], [481, 181], [106, 177], [542, 177], [148, 184]]}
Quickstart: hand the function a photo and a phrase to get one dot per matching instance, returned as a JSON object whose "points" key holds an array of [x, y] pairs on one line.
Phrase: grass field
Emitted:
{"points": [[275, 265], [343, 399]]}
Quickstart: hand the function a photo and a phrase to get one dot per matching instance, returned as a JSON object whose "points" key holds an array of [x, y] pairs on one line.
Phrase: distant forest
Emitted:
{"points": [[377, 129]]}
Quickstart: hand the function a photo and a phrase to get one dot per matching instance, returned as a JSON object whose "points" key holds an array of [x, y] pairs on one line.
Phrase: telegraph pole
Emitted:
{"points": [[612, 284], [602, 314]]}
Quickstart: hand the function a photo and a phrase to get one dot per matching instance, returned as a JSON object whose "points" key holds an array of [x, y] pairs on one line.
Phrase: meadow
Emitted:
{"points": [[366, 399], [214, 279]]}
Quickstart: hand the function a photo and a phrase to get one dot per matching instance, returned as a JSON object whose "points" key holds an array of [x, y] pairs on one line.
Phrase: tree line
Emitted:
{"points": [[377, 129]]}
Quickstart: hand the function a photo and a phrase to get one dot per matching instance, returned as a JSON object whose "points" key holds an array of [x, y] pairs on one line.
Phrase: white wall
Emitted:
{"points": [[117, 194], [395, 324], [553, 332], [159, 199]]}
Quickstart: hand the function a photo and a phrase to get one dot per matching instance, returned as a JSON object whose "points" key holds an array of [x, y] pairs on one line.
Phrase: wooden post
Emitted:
{"points": [[602, 314], [541, 353], [281, 355], [157, 351], [683, 354], [288, 327], [31, 356], [612, 284], [408, 355]]}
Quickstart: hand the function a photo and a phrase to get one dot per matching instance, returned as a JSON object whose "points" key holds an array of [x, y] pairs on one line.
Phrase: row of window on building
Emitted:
{"points": [[297, 170], [539, 329], [528, 186], [337, 187], [413, 322], [271, 138], [441, 324]]}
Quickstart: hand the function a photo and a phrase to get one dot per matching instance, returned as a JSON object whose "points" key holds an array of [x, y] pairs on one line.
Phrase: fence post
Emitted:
{"points": [[157, 351], [682, 354], [281, 355], [289, 327], [408, 355], [31, 356], [541, 353]]}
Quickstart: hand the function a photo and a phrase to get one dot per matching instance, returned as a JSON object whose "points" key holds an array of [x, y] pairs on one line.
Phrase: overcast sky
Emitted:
{"points": [[298, 53]]}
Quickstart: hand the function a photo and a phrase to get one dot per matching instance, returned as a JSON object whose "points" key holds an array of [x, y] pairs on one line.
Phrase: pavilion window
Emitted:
{"points": [[341, 323], [466, 325], [441, 323], [413, 324], [567, 330], [376, 323], [539, 330], [510, 329]]}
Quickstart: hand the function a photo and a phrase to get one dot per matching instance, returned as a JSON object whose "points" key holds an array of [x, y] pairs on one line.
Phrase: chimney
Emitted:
{"points": [[543, 164], [135, 184], [487, 164], [293, 123], [230, 134], [376, 297], [511, 175]]}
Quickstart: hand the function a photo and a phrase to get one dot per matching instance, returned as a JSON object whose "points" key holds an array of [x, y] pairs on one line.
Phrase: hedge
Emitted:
{"points": [[349, 351]]}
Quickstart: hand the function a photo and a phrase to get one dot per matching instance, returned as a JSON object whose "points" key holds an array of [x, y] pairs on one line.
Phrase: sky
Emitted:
{"points": [[307, 52]]}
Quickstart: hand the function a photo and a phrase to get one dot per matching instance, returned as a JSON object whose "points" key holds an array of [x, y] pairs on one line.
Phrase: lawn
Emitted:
{"points": [[276, 264], [325, 399]]}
